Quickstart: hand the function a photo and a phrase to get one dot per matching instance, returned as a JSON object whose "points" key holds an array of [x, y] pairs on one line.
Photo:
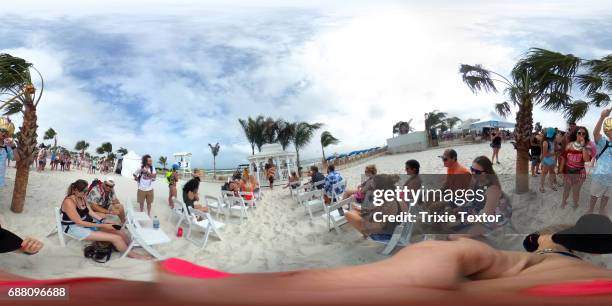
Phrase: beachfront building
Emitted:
{"points": [[183, 160], [284, 161]]}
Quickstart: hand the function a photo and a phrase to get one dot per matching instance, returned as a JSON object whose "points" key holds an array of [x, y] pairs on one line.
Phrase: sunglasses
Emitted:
{"points": [[444, 158], [476, 171], [581, 133], [109, 186]]}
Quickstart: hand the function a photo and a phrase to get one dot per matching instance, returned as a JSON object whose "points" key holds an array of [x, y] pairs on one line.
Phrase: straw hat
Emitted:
{"points": [[607, 124], [7, 125]]}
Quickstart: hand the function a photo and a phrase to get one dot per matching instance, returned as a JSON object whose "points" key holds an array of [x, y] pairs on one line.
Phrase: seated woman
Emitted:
{"points": [[85, 224], [191, 196], [246, 188], [363, 219], [495, 201], [370, 172], [294, 181]]}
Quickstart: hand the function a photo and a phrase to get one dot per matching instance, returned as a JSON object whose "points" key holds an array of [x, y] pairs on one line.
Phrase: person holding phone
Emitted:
{"points": [[84, 224]]}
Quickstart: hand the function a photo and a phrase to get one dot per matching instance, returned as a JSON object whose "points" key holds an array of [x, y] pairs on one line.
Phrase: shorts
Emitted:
{"points": [[598, 190], [141, 196], [535, 161], [41, 162], [271, 179], [77, 231]]}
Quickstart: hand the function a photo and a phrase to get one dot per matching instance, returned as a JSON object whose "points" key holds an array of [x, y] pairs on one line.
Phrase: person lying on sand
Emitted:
{"points": [[85, 224], [464, 271]]}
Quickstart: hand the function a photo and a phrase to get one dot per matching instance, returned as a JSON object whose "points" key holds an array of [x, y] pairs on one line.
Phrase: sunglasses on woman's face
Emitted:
{"points": [[581, 133], [475, 171]]}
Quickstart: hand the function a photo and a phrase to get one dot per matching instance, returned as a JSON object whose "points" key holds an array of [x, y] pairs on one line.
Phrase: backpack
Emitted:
{"points": [[99, 251], [93, 184], [603, 150]]}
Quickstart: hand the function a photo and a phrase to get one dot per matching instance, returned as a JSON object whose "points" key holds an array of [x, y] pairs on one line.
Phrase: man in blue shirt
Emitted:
{"points": [[332, 179], [601, 182]]}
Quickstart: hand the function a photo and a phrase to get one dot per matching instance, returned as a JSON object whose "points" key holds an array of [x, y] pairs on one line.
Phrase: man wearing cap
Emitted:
{"points": [[601, 181], [102, 199], [6, 153]]}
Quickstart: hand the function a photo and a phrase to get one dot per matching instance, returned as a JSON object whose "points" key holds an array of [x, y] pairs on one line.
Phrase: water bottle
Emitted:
{"points": [[155, 223]]}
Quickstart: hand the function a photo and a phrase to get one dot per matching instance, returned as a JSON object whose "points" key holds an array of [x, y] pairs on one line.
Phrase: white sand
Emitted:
{"points": [[279, 236]]}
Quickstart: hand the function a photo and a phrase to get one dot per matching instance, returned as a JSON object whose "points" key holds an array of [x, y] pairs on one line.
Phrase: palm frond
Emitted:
{"points": [[328, 139], [556, 101], [589, 83], [576, 110], [13, 108], [600, 99], [477, 78], [503, 109]]}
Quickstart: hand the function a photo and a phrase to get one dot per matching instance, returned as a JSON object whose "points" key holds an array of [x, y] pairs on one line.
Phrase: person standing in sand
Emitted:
{"points": [[548, 159], [496, 142], [145, 176], [575, 157], [7, 148], [601, 181], [172, 177], [270, 172]]}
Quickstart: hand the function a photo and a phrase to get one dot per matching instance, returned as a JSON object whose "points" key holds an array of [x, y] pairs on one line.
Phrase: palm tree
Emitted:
{"points": [[163, 161], [81, 146], [249, 127], [302, 135], [215, 151], [19, 95], [122, 151], [451, 122], [434, 120], [402, 127], [542, 78], [100, 150], [270, 130], [285, 133], [51, 134], [327, 139]]}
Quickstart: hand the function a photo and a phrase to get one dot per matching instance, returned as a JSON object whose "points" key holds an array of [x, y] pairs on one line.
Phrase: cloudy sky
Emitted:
{"points": [[161, 76]]}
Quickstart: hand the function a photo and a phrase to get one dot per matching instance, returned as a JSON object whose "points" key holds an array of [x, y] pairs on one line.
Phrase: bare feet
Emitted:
{"points": [[563, 205]]}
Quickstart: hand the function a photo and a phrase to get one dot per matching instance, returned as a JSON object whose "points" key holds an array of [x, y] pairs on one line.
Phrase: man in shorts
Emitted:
{"points": [[601, 181]]}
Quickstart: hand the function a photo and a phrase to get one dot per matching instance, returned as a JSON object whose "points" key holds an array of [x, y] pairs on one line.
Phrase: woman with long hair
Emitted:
{"points": [[145, 176], [84, 224], [572, 166]]}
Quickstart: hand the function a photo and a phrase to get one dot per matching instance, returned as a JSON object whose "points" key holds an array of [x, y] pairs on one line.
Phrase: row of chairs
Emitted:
{"points": [[311, 198]]}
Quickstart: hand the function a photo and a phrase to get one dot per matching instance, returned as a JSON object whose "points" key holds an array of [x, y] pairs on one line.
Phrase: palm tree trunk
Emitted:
{"points": [[26, 146], [297, 162], [252, 149], [214, 167], [524, 126]]}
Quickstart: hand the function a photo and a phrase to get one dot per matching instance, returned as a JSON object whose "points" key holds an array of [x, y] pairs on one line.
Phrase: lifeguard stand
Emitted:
{"points": [[183, 159]]}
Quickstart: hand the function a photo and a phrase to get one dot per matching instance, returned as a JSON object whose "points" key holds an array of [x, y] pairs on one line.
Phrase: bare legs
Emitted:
{"points": [[550, 170], [171, 194], [603, 206], [353, 218], [495, 155], [575, 189], [119, 239]]}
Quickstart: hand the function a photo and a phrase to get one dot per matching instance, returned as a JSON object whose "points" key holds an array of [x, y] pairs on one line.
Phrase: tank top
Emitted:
{"points": [[83, 214], [574, 158]]}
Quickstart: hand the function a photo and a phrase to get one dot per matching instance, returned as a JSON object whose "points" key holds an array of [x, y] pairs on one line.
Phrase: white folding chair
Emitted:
{"points": [[312, 201], [400, 237], [139, 216], [145, 238], [332, 213], [208, 225], [236, 206], [215, 204], [251, 195], [58, 228]]}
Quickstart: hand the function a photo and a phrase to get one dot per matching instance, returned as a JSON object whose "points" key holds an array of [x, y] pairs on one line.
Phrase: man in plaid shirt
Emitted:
{"points": [[331, 179]]}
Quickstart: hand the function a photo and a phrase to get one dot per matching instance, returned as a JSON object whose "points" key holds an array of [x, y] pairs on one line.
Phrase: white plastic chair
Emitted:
{"points": [[332, 215], [145, 238], [58, 228], [251, 202], [139, 216], [207, 225], [215, 204], [312, 201], [236, 206]]}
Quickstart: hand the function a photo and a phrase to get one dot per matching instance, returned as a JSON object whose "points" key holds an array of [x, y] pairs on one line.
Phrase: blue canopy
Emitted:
{"points": [[491, 124]]}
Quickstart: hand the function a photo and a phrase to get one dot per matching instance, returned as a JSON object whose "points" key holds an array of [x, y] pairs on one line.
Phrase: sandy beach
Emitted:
{"points": [[279, 236]]}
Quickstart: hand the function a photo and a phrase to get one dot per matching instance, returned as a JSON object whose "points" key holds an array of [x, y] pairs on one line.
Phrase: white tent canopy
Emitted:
{"points": [[131, 163], [491, 124]]}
